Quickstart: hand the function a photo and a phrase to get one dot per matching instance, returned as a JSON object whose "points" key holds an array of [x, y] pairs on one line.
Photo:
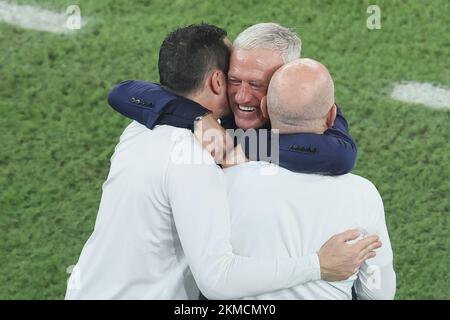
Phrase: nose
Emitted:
{"points": [[243, 94]]}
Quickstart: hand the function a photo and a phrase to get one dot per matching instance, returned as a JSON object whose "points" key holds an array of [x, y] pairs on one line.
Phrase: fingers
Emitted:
{"points": [[366, 242], [211, 148], [370, 255], [217, 142], [234, 157], [213, 140], [367, 256], [365, 251], [229, 142], [374, 246], [349, 235]]}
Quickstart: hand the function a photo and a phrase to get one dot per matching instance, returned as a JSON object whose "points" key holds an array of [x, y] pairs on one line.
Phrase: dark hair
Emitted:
{"points": [[189, 53]]}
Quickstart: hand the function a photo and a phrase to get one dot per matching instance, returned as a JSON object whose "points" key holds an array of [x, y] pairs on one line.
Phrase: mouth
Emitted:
{"points": [[246, 108]]}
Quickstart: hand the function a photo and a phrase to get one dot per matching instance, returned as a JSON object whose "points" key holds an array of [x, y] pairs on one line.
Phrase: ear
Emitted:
{"points": [[331, 116], [263, 106], [217, 82]]}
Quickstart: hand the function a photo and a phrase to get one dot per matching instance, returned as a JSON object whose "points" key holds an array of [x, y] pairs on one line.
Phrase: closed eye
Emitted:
{"points": [[234, 82], [257, 86]]}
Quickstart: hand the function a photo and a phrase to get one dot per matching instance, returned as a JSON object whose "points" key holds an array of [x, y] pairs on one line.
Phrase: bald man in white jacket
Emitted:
{"points": [[288, 215]]}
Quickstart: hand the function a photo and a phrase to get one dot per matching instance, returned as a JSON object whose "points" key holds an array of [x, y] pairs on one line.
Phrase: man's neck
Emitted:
{"points": [[292, 130], [201, 100], [308, 126]]}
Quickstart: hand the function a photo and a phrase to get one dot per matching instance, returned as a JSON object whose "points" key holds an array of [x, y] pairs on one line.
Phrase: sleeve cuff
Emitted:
{"points": [[315, 267]]}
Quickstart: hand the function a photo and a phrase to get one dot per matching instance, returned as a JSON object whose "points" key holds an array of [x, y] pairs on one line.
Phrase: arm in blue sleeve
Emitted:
{"points": [[331, 153], [151, 105]]}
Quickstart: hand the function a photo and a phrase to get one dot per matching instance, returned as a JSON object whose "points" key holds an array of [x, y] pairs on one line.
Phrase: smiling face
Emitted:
{"points": [[248, 79]]}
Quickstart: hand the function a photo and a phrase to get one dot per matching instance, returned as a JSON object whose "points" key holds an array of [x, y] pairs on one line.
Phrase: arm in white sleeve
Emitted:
{"points": [[376, 277], [199, 205]]}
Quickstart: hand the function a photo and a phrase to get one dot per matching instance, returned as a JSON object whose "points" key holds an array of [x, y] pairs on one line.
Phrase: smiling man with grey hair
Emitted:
{"points": [[290, 214], [272, 36], [258, 51]]}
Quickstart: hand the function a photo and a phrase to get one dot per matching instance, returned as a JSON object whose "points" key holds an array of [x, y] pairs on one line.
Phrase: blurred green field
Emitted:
{"points": [[58, 133]]}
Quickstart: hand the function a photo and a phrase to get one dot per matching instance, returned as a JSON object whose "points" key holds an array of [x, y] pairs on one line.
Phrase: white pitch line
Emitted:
{"points": [[422, 93], [32, 17]]}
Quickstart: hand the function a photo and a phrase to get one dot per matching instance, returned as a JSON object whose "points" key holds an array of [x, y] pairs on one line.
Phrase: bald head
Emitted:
{"points": [[300, 97]]}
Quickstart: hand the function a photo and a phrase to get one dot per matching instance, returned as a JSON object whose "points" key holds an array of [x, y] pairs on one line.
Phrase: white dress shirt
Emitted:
{"points": [[158, 217], [289, 214]]}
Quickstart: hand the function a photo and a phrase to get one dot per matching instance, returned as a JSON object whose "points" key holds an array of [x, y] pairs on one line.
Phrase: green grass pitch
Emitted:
{"points": [[57, 131]]}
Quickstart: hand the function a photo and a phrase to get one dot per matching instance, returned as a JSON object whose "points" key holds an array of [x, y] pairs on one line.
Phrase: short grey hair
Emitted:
{"points": [[270, 36]]}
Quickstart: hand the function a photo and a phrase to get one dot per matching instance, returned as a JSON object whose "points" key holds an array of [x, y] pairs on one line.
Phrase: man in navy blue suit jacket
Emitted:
{"points": [[258, 52]]}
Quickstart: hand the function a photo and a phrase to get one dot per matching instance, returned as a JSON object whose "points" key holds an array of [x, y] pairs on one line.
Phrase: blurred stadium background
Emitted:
{"points": [[58, 133]]}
